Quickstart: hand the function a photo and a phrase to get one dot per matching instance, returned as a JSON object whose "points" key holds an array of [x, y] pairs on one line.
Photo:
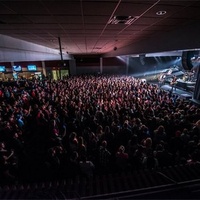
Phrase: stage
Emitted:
{"points": [[187, 95], [180, 92]]}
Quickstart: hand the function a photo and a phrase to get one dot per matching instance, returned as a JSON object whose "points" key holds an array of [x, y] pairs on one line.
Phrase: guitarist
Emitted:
{"points": [[173, 83]]}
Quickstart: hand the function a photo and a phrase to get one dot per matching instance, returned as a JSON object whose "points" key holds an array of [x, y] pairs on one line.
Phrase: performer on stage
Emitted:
{"points": [[161, 79], [173, 83]]}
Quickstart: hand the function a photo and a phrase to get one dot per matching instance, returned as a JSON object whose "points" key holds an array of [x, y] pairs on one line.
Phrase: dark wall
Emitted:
{"points": [[87, 64], [89, 61], [114, 65], [92, 65], [57, 64]]}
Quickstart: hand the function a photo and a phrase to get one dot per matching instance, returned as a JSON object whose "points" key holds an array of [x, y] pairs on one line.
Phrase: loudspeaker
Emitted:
{"points": [[186, 59]]}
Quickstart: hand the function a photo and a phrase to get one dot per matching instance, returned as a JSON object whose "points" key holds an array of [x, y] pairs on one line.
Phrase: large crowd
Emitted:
{"points": [[88, 124]]}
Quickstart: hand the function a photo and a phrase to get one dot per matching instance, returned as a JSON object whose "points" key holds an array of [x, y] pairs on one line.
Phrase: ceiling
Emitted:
{"points": [[83, 25]]}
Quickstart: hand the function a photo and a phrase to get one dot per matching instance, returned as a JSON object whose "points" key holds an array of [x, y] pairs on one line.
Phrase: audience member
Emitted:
{"points": [[58, 124]]}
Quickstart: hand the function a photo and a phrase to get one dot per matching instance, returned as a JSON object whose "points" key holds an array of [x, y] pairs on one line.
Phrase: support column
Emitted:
{"points": [[72, 67], [127, 64], [101, 65], [44, 68]]}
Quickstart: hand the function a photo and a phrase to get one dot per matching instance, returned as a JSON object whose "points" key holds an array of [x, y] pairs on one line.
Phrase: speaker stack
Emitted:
{"points": [[186, 59]]}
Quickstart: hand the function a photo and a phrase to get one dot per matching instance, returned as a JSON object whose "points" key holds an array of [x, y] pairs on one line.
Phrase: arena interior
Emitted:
{"points": [[99, 99]]}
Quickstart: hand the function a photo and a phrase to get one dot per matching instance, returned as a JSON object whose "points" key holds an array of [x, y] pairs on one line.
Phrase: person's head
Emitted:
{"points": [[134, 139], [107, 129], [159, 147], [80, 140], [2, 145], [161, 129], [178, 133], [74, 155], [104, 144], [72, 136], [121, 149], [148, 142]]}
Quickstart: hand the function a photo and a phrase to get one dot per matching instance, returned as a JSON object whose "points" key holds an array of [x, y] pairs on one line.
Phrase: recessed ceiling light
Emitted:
{"points": [[122, 19], [161, 12]]}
